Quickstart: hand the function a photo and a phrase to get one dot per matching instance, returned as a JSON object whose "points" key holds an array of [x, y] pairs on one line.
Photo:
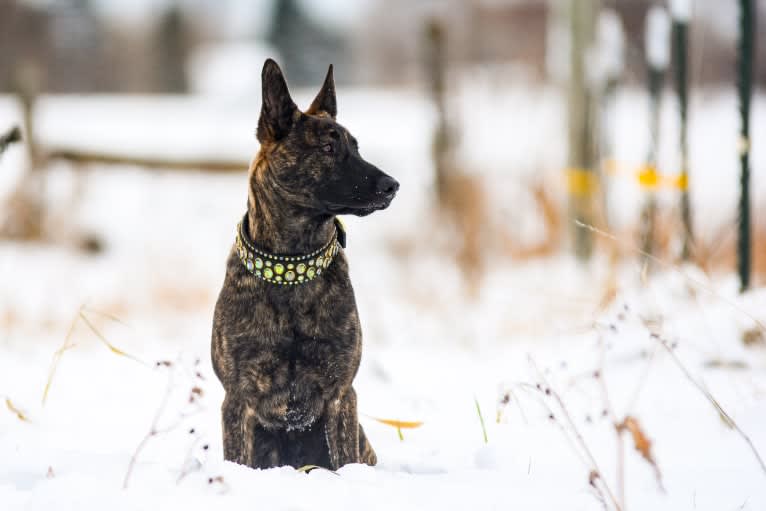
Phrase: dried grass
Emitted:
{"points": [[552, 216], [465, 203], [717, 252]]}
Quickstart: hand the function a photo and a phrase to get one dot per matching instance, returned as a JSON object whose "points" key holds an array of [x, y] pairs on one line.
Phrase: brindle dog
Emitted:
{"points": [[287, 355]]}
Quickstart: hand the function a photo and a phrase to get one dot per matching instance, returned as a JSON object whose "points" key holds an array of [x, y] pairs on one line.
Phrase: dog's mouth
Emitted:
{"points": [[379, 203]]}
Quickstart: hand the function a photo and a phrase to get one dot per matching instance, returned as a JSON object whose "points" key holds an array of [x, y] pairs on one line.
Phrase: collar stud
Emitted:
{"points": [[287, 270]]}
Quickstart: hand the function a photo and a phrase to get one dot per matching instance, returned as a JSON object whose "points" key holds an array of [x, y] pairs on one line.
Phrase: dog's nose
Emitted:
{"points": [[387, 185]]}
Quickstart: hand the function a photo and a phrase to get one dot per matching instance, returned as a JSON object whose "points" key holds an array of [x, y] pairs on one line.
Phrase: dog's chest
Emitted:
{"points": [[282, 333]]}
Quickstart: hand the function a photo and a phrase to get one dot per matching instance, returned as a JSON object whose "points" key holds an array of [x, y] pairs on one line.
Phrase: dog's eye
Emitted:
{"points": [[327, 148]]}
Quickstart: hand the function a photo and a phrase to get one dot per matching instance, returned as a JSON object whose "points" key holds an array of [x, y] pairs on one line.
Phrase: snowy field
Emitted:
{"points": [[550, 368]]}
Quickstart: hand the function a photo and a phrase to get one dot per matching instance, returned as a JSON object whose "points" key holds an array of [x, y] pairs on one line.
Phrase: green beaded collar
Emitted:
{"points": [[287, 270]]}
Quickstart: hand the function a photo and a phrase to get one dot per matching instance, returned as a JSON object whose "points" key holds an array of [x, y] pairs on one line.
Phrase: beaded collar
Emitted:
{"points": [[287, 270]]}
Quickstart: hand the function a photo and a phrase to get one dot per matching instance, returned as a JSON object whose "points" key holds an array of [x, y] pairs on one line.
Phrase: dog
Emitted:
{"points": [[286, 340]]}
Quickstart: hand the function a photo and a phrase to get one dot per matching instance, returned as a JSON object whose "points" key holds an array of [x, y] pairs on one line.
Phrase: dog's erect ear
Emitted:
{"points": [[325, 100], [277, 109]]}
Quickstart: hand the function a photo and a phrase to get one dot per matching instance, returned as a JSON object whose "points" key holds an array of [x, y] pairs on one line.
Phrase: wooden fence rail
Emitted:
{"points": [[81, 157]]}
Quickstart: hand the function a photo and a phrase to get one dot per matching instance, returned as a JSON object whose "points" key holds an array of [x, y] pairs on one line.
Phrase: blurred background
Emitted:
{"points": [[514, 126], [164, 46]]}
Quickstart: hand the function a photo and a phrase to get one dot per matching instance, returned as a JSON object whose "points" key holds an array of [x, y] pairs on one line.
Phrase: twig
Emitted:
{"points": [[12, 136], [675, 269], [713, 401]]}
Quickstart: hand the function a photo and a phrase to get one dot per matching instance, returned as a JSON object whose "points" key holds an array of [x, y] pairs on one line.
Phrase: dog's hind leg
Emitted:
{"points": [[267, 448], [366, 452]]}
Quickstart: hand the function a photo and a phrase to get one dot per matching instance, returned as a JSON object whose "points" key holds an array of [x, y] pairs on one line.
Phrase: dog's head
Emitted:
{"points": [[313, 160]]}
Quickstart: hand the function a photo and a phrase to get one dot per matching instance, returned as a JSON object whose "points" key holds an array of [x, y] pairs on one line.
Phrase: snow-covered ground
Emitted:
{"points": [[536, 332]]}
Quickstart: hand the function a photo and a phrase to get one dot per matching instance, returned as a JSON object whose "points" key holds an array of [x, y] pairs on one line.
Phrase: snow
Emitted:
{"points": [[430, 351], [610, 47], [228, 68], [657, 37], [681, 10]]}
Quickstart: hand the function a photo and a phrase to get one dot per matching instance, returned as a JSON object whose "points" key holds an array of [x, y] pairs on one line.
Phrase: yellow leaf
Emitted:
{"points": [[308, 468], [398, 424]]}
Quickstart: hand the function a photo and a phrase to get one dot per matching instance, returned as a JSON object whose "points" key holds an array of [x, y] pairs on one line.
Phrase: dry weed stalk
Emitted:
{"points": [[194, 396], [80, 316], [720, 250], [552, 219], [727, 419], [599, 376], [464, 200], [665, 264], [503, 403], [628, 423], [15, 410], [595, 473]]}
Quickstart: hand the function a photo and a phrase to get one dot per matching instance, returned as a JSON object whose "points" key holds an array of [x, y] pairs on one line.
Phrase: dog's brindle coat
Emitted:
{"points": [[287, 355]]}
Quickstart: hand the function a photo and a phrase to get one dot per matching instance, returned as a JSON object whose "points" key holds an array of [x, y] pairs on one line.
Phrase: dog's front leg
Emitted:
{"points": [[244, 440], [342, 430]]}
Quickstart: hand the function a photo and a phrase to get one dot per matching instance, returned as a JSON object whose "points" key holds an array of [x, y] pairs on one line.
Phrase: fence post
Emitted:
{"points": [[435, 56], [582, 178], [745, 80], [681, 13], [658, 57]]}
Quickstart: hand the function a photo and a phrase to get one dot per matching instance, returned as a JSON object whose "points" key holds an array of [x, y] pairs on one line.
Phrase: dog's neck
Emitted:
{"points": [[278, 226]]}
